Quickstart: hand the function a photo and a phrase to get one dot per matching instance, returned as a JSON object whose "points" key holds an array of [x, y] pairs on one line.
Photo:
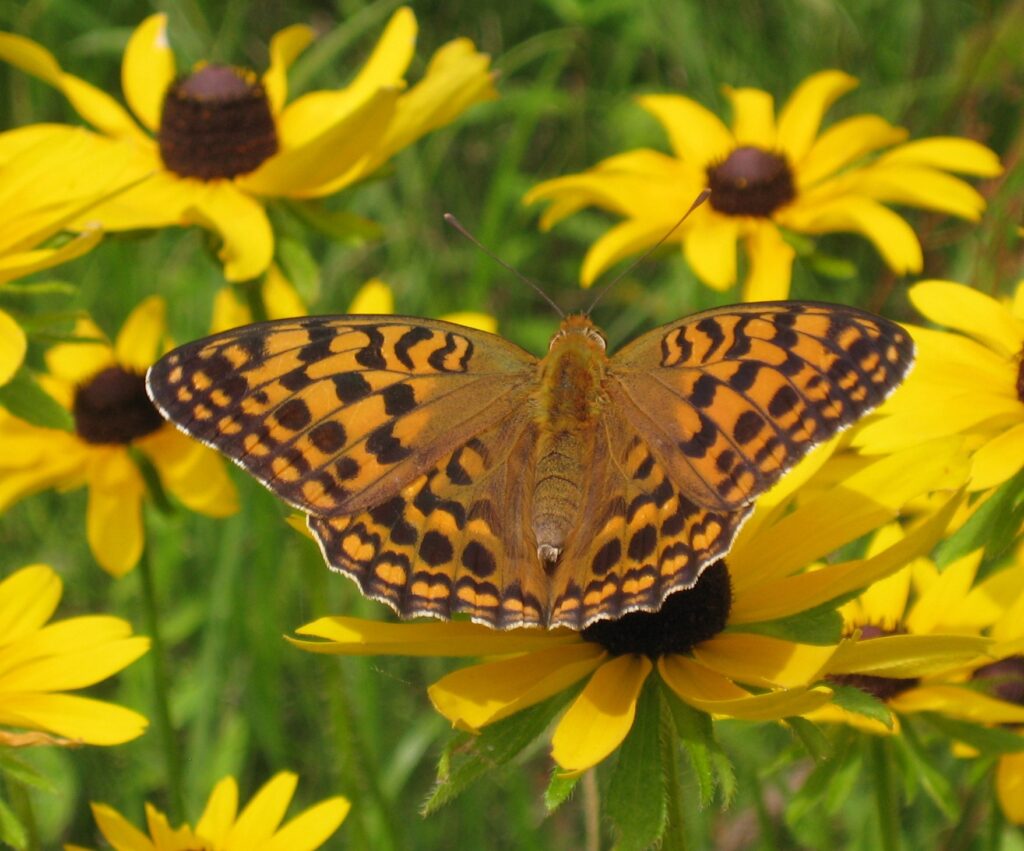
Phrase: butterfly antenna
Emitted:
{"points": [[455, 223], [699, 200]]}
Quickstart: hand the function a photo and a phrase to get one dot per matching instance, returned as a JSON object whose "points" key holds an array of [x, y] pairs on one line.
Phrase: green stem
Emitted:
{"points": [[887, 802], [165, 727], [674, 838], [254, 298], [21, 804], [591, 798]]}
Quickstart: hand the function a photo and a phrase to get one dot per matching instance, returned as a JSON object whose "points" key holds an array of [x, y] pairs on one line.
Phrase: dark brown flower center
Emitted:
{"points": [[750, 182], [216, 122], [112, 407], [883, 688], [1003, 679], [685, 619], [1020, 377]]}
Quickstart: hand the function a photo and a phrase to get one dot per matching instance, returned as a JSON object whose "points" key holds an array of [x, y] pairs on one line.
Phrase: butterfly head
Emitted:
{"points": [[575, 328]]}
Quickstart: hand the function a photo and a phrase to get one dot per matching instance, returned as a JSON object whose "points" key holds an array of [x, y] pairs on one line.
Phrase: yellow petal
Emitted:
{"points": [[94, 105], [241, 222], [456, 78], [710, 248], [118, 831], [93, 722], [473, 697], [28, 598], [25, 263], [75, 363], [13, 345], [114, 513], [1010, 786], [916, 186], [304, 171], [891, 235], [959, 702], [970, 311], [600, 718], [219, 813], [763, 661], [801, 116], [906, 656], [191, 472], [280, 297], [843, 143], [695, 133], [948, 153], [374, 297], [147, 70], [229, 310], [164, 836], [140, 341], [285, 46], [771, 264], [311, 828], [472, 319], [753, 117], [360, 637], [713, 693], [999, 459], [390, 57], [883, 603], [261, 816], [630, 237], [945, 594]]}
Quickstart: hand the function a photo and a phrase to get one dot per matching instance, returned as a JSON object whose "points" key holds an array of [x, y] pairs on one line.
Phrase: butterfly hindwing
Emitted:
{"points": [[453, 539], [336, 414], [731, 398], [639, 539]]}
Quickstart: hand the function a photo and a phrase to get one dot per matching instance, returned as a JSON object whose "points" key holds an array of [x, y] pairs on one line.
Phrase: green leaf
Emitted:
{"points": [[494, 747], [11, 829], [635, 800], [854, 699], [24, 398], [990, 741], [841, 756], [697, 735], [812, 737], [300, 267], [993, 526], [821, 625], [920, 771], [336, 224], [560, 788], [837, 268], [22, 772], [38, 288]]}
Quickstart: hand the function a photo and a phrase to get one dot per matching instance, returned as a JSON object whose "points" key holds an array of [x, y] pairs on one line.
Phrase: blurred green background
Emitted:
{"points": [[243, 700]]}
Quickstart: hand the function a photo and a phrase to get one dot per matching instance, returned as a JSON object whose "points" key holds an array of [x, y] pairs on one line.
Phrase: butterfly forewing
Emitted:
{"points": [[336, 414], [731, 398]]}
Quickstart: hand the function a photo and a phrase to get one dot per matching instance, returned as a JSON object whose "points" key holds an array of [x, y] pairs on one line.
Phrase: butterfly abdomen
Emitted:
{"points": [[568, 405]]}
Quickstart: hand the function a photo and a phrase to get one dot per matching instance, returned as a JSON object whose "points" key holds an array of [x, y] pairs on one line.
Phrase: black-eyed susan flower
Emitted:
{"points": [[219, 142], [967, 381], [769, 174], [223, 828], [103, 388], [42, 190], [708, 645], [40, 662]]}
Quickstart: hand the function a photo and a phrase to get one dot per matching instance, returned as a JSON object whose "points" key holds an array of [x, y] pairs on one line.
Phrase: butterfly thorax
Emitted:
{"points": [[568, 401]]}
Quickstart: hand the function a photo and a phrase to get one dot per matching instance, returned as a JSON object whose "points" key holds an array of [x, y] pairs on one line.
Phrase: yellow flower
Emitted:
{"points": [[219, 142], [42, 190], [223, 828], [709, 644], [281, 300], [41, 661], [767, 175], [968, 381], [103, 388]]}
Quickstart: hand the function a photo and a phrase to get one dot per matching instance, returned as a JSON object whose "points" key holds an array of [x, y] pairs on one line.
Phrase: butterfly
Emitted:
{"points": [[447, 470]]}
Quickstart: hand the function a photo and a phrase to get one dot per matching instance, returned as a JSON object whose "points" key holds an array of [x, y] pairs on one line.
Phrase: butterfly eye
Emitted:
{"points": [[595, 335], [559, 335]]}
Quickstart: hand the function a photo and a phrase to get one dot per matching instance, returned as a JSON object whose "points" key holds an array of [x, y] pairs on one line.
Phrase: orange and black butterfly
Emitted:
{"points": [[447, 470]]}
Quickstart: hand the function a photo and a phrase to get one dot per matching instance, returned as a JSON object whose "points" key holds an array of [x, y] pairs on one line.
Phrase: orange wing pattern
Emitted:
{"points": [[731, 398], [455, 539], [336, 414]]}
